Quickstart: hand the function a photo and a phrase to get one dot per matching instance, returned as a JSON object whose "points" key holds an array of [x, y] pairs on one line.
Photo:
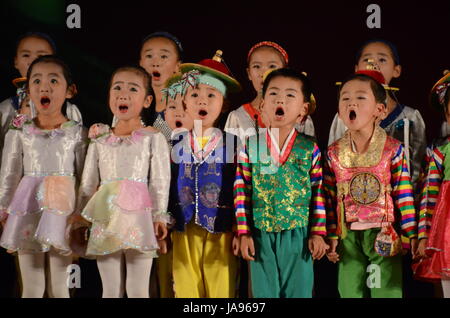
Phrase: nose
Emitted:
{"points": [[122, 97], [44, 87]]}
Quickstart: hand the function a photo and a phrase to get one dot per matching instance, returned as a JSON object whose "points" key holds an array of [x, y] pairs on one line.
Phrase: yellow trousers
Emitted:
{"points": [[164, 269], [203, 264]]}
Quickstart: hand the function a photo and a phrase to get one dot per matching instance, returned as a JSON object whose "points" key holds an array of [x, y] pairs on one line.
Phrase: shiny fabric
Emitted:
{"points": [[281, 198], [417, 141], [7, 113], [203, 189], [363, 177], [242, 125], [134, 177], [439, 240], [37, 184]]}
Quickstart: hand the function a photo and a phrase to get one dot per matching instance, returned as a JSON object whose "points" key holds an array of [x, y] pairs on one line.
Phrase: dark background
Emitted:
{"points": [[321, 38]]}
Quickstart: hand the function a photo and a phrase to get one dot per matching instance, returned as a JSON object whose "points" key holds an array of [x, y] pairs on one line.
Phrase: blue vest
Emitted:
{"points": [[204, 190]]}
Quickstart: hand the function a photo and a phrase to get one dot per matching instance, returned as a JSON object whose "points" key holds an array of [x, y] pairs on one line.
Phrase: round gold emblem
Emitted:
{"points": [[365, 188]]}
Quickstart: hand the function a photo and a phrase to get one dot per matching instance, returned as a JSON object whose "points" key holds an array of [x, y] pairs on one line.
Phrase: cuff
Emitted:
{"points": [[163, 217]]}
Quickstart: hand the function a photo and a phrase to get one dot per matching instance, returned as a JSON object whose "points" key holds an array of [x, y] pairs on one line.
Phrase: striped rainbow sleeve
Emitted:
{"points": [[243, 193], [430, 192], [402, 193], [318, 219], [329, 182]]}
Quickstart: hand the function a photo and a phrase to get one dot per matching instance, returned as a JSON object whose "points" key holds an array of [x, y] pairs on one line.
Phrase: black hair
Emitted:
{"points": [[392, 47], [147, 114], [446, 99], [377, 89], [38, 35], [169, 36], [293, 74], [53, 59]]}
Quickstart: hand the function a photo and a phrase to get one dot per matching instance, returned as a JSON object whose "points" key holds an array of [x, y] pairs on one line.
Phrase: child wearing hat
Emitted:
{"points": [[279, 178], [401, 122], [262, 58], [434, 224], [368, 187], [201, 200]]}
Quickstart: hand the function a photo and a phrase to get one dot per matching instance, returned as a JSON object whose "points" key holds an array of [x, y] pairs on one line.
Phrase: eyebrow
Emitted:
{"points": [[130, 83], [291, 89]]}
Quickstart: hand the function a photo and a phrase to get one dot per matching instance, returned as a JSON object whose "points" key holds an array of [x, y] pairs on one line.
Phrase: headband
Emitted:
{"points": [[167, 35], [192, 79], [272, 45]]}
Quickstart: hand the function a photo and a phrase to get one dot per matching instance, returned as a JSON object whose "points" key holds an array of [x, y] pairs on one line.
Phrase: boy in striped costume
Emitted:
{"points": [[278, 182], [368, 188]]}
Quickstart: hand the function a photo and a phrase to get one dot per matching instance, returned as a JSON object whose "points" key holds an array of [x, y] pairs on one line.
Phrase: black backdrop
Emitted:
{"points": [[321, 38]]}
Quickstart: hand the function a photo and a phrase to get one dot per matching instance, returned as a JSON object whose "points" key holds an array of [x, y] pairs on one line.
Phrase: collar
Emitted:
{"points": [[253, 113], [202, 153], [272, 142], [392, 116]]}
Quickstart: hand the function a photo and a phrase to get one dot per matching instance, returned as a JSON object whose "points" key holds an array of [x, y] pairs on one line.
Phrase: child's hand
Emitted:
{"points": [[247, 247], [331, 254], [414, 245], [236, 246], [420, 253], [317, 246], [164, 245], [160, 230]]}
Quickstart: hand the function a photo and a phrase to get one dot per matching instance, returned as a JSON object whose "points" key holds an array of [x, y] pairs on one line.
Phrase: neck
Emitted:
{"points": [[126, 127], [362, 137], [283, 133], [160, 105], [203, 131], [256, 102], [51, 121], [391, 104]]}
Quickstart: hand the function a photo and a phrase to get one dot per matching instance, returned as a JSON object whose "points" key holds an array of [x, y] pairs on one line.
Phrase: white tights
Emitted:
{"points": [[138, 267], [32, 270], [446, 287]]}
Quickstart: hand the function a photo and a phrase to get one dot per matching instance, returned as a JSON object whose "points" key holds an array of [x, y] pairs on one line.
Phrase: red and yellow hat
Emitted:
{"points": [[437, 94]]}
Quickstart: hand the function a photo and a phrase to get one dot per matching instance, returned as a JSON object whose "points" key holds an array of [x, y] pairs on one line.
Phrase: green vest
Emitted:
{"points": [[281, 194], [445, 149]]}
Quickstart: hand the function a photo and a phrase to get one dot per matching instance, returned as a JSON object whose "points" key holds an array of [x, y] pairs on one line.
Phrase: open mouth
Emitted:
{"points": [[156, 75], [123, 108], [202, 113], [178, 124], [279, 113], [352, 115], [45, 101]]}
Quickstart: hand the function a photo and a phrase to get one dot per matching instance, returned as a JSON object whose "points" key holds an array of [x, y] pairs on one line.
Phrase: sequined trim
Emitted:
{"points": [[142, 180], [49, 174], [370, 158]]}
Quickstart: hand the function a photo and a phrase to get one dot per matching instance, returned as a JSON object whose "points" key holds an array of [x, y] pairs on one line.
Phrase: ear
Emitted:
{"points": [[248, 73], [397, 71], [303, 112], [15, 63], [177, 68], [71, 91], [380, 110], [148, 101], [356, 68]]}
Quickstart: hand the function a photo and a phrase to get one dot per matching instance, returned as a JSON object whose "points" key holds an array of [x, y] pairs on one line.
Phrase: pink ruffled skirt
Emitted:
{"points": [[38, 215], [120, 212]]}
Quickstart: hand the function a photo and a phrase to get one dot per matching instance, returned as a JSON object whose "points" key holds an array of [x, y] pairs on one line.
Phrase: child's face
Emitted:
{"points": [[176, 116], [127, 95], [159, 58], [381, 54], [262, 60], [358, 108], [203, 103], [48, 88], [28, 50], [284, 103]]}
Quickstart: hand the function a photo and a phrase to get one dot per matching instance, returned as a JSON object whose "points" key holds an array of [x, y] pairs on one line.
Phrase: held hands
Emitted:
{"points": [[317, 246], [164, 245], [331, 254], [247, 247], [420, 253], [161, 237]]}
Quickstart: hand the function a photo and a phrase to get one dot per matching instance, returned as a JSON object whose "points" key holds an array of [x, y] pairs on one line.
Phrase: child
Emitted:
{"points": [[262, 57], [128, 211], [277, 244], [402, 122], [202, 188], [433, 225], [42, 158], [179, 122], [368, 184]]}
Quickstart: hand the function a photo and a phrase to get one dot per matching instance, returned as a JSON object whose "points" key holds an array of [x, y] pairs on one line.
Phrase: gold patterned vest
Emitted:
{"points": [[364, 180], [281, 194]]}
